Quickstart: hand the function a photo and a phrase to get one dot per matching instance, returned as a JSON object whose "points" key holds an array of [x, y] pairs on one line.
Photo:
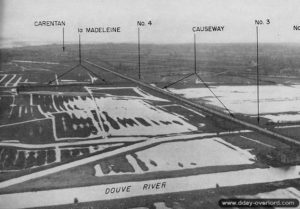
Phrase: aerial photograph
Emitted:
{"points": [[140, 104]]}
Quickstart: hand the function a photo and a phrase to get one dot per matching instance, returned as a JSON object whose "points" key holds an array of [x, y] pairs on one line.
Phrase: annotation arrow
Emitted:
{"points": [[63, 47]]}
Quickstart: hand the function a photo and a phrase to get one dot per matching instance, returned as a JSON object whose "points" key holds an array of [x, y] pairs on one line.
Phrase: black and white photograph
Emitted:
{"points": [[149, 104]]}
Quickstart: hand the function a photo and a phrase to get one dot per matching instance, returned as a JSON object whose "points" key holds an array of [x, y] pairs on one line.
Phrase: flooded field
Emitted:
{"points": [[90, 138], [201, 153], [44, 128], [278, 103], [61, 116]]}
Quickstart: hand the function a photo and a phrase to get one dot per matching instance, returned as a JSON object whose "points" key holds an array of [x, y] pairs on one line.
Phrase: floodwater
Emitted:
{"points": [[185, 155], [196, 153], [274, 99], [59, 116], [144, 117]]}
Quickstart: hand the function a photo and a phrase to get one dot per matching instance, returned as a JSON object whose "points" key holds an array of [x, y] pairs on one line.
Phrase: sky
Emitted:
{"points": [[172, 20]]}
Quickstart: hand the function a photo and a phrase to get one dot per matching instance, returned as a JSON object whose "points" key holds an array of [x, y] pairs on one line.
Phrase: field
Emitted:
{"points": [[74, 136]]}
